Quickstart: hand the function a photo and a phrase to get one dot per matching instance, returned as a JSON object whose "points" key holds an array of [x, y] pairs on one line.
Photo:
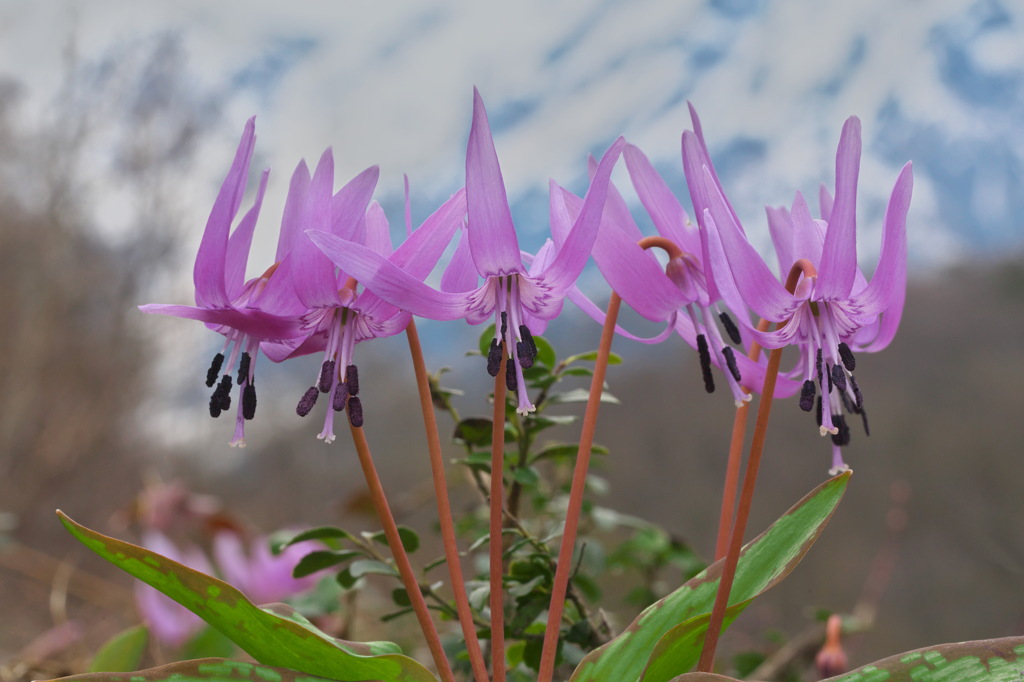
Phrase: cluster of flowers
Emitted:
{"points": [[337, 280]]}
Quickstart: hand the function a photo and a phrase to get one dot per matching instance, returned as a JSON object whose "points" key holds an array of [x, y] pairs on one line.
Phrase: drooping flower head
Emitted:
{"points": [[833, 310], [334, 315], [245, 312], [520, 301]]}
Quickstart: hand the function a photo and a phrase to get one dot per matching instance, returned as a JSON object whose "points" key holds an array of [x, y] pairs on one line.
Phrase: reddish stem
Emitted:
{"points": [[579, 480], [405, 569], [732, 471], [497, 597], [802, 267], [444, 512]]}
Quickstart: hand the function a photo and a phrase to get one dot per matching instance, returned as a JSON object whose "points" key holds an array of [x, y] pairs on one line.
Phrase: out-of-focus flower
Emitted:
{"points": [[335, 317], [245, 312], [520, 301], [169, 621], [264, 577], [833, 310]]}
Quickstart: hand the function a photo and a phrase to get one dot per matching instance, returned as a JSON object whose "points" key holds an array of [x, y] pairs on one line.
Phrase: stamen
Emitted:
{"points": [[523, 353], [494, 358], [843, 436], [730, 361], [857, 395], [705, 363], [326, 376], [864, 418], [340, 396], [352, 378], [243, 368], [504, 323], [510, 377], [817, 366], [249, 401], [847, 405], [839, 377], [220, 401], [531, 345], [849, 362], [828, 375], [818, 412], [807, 396], [730, 328], [355, 411], [307, 401], [214, 371]]}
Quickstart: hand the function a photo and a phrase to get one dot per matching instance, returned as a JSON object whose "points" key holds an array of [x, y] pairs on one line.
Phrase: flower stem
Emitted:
{"points": [[764, 408], [444, 511], [732, 470], [405, 569], [579, 480], [497, 523]]}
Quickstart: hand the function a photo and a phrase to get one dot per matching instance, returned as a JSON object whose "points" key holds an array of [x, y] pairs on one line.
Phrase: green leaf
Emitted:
{"points": [[591, 356], [566, 450], [122, 652], [285, 641], [410, 540], [209, 642], [202, 670], [989, 660], [485, 339], [322, 533], [545, 352], [665, 639], [321, 559], [473, 431], [581, 395]]}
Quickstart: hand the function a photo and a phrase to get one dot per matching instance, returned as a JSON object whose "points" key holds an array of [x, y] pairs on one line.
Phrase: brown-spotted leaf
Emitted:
{"points": [[658, 640], [272, 639], [987, 660], [203, 670]]}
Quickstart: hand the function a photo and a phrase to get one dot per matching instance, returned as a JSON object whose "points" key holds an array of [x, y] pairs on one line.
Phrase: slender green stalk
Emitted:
{"points": [[579, 480], [497, 523], [764, 408], [405, 570], [444, 511]]}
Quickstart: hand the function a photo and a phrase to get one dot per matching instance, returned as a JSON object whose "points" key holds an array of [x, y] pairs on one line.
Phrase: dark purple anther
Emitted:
{"points": [[730, 362], [730, 328], [510, 376], [846, 355], [243, 368], [307, 401], [355, 411], [807, 396], [340, 396], [352, 379], [705, 363], [839, 377], [214, 371], [249, 401], [494, 358], [326, 376]]}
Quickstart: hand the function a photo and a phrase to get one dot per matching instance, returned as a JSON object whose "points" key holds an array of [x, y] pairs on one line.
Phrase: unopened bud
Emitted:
{"points": [[831, 660]]}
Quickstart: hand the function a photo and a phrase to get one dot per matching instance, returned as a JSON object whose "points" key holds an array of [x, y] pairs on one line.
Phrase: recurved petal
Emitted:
{"points": [[241, 240], [741, 276], [492, 236], [390, 282], [348, 205], [885, 293], [316, 283], [575, 251], [661, 204], [251, 322], [838, 267], [294, 205], [209, 270], [421, 250]]}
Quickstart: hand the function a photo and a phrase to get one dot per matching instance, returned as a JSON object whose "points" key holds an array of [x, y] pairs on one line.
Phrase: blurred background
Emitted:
{"points": [[118, 121]]}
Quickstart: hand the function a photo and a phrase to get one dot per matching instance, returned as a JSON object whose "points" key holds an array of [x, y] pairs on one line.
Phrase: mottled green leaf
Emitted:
{"points": [[659, 638], [988, 660], [201, 670], [322, 533], [268, 636], [122, 652]]}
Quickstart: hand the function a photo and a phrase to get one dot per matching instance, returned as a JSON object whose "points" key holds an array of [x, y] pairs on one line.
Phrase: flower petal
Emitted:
{"points": [[209, 270], [348, 206], [378, 231], [575, 251], [838, 267], [420, 252], [886, 291], [240, 241], [661, 204], [251, 322], [390, 282], [316, 283], [294, 203], [492, 236]]}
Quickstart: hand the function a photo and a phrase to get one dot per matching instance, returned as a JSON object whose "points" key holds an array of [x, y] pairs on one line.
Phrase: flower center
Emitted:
{"points": [[511, 332]]}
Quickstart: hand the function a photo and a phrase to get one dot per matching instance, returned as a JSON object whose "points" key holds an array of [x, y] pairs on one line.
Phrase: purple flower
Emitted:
{"points": [[833, 310], [518, 300], [264, 577], [168, 620], [245, 312], [334, 317], [660, 293]]}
